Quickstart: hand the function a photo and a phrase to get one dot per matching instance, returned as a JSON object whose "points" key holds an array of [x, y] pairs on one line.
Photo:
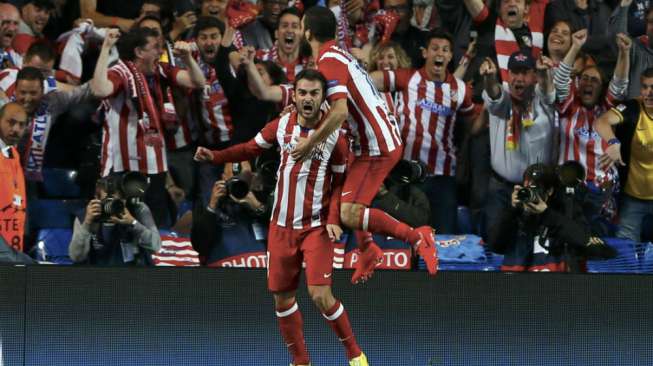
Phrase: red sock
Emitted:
{"points": [[292, 331], [363, 238], [338, 320], [380, 222]]}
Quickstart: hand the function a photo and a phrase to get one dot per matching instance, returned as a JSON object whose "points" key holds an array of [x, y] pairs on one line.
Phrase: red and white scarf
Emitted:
{"points": [[139, 92]]}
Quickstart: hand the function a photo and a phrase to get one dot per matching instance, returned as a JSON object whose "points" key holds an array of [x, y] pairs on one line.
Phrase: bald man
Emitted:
{"points": [[9, 22], [13, 200], [13, 123]]}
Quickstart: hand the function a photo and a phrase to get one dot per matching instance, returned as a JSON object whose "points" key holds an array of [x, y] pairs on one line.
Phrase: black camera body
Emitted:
{"points": [[408, 171], [130, 186], [529, 194], [238, 186], [111, 206]]}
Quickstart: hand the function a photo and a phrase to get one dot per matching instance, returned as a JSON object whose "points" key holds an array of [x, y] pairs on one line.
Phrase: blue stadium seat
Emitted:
{"points": [[627, 260], [53, 213], [55, 244], [464, 220], [647, 258], [60, 183], [464, 253]]}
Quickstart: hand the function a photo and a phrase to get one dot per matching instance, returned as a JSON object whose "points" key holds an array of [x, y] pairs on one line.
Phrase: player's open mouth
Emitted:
{"points": [[587, 92], [512, 12], [289, 40], [214, 12], [438, 63], [307, 108]]}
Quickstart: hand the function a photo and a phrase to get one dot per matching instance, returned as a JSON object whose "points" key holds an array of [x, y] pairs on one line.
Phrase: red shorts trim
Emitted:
{"points": [[365, 176], [288, 248]]}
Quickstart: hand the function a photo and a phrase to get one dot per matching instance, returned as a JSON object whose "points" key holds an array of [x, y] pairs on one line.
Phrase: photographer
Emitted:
{"points": [[401, 197], [116, 228], [240, 200], [535, 234]]}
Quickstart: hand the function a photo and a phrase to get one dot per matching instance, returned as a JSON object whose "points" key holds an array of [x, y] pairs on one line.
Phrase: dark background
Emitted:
{"points": [[161, 316]]}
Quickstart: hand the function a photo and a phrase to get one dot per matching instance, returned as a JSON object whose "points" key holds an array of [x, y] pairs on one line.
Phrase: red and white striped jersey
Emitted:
{"points": [[373, 127], [391, 102], [8, 82], [215, 114], [290, 68], [123, 136], [579, 141], [307, 193], [287, 92], [428, 112]]}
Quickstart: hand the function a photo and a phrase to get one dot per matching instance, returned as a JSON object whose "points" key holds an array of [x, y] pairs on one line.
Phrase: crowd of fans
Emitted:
{"points": [[481, 91]]}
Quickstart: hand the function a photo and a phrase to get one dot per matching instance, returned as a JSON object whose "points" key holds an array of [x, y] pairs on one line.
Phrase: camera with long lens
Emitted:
{"points": [[130, 186], [529, 194], [238, 186], [408, 171], [111, 206]]}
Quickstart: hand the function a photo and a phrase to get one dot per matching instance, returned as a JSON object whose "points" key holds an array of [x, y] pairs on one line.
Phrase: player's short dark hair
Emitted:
{"points": [[30, 73], [206, 22], [321, 22], [648, 73], [150, 17], [41, 4], [312, 75], [292, 11], [41, 49], [439, 34], [133, 39]]}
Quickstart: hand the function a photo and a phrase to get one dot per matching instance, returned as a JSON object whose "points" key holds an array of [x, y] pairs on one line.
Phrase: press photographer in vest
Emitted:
{"points": [[13, 123]]}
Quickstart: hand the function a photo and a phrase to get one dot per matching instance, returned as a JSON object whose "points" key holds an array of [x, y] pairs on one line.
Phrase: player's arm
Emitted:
{"points": [[241, 152], [101, 86], [338, 166], [270, 93], [334, 119], [192, 77]]}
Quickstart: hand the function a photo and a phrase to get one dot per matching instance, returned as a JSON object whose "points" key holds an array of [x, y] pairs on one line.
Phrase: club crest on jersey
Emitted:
{"points": [[621, 107], [586, 132], [435, 107]]}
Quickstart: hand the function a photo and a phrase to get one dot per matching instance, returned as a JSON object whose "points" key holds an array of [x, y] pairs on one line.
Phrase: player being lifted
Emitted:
{"points": [[305, 218], [377, 145]]}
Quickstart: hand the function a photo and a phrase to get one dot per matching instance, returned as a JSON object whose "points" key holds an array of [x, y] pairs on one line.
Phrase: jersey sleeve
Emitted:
{"points": [[627, 111], [287, 91], [250, 149], [170, 73], [337, 76], [117, 81], [467, 107], [396, 80]]}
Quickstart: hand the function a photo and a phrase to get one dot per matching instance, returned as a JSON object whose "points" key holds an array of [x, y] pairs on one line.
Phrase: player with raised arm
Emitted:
{"points": [[377, 144], [305, 217]]}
